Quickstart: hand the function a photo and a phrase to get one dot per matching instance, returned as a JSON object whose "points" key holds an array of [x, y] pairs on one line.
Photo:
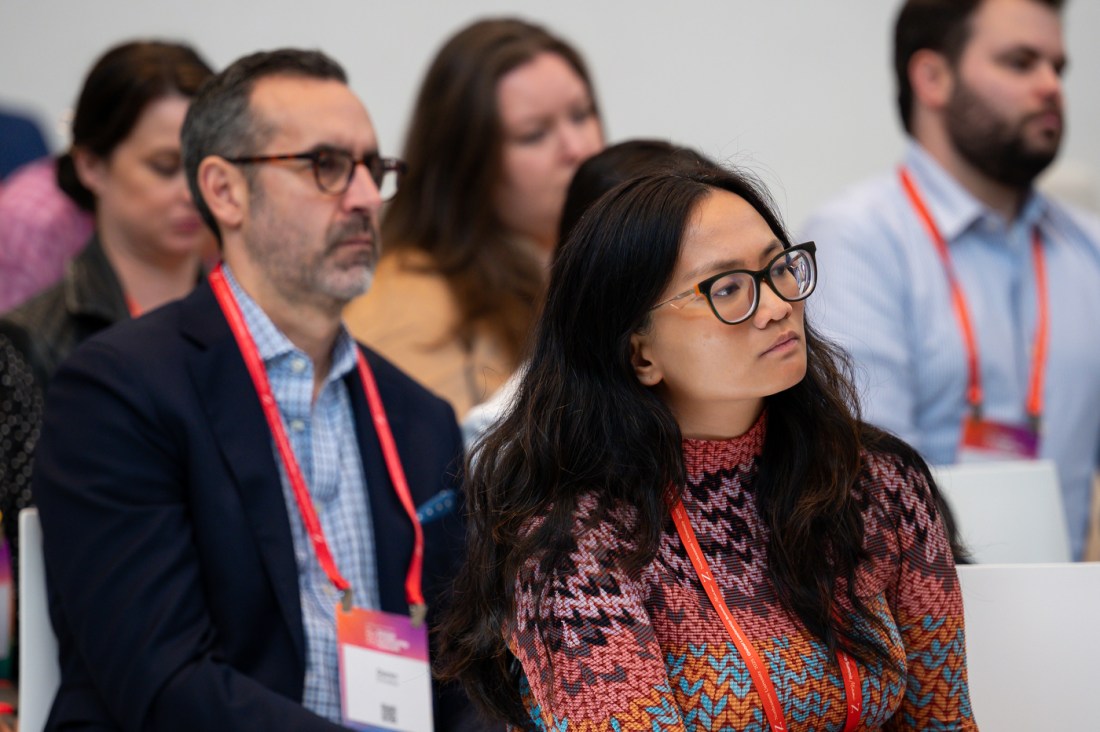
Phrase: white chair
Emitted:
{"points": [[1032, 645], [1007, 512], [39, 675]]}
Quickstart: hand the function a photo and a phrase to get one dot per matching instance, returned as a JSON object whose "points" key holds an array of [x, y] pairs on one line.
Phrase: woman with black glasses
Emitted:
{"points": [[682, 524]]}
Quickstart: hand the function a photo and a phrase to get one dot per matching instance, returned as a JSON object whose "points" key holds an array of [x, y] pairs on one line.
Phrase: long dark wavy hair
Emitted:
{"points": [[445, 206], [583, 424]]}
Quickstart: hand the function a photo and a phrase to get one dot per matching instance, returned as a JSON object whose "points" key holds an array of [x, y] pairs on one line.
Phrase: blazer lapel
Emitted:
{"points": [[393, 533], [242, 435]]}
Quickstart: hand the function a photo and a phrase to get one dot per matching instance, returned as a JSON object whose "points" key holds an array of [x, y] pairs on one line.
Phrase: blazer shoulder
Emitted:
{"points": [[393, 381]]}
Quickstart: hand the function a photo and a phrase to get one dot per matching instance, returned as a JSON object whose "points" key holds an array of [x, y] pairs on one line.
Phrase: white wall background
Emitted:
{"points": [[799, 90]]}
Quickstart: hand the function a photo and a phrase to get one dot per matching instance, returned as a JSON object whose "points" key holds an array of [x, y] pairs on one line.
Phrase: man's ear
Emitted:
{"points": [[932, 78], [645, 369], [224, 190]]}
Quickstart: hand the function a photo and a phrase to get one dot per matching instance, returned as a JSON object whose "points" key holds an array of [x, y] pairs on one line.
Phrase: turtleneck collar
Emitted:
{"points": [[706, 456]]}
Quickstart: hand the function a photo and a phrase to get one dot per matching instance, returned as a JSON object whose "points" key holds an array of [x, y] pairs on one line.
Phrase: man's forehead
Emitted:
{"points": [[1009, 23], [306, 111]]}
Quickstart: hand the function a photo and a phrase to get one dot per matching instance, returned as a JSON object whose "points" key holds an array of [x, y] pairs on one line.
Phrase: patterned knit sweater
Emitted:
{"points": [[603, 649]]}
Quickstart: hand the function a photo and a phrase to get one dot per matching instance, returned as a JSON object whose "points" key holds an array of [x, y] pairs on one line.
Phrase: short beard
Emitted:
{"points": [[991, 145], [306, 277], [345, 286]]}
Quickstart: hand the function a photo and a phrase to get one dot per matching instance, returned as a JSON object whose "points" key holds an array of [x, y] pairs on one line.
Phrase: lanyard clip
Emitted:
{"points": [[345, 600], [1035, 421], [418, 613]]}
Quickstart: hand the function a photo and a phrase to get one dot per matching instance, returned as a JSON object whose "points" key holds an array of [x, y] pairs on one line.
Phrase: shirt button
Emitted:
{"points": [[297, 425], [298, 365]]}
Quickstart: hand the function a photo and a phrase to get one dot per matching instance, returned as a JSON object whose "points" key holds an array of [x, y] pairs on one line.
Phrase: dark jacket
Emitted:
{"points": [[34, 339], [50, 325], [170, 563]]}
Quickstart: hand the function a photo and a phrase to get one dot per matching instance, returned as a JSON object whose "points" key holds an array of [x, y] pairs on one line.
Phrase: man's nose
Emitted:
{"points": [[362, 192], [1049, 80]]}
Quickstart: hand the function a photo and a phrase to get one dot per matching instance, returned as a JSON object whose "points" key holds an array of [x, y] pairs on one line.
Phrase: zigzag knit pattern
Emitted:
{"points": [[603, 649]]}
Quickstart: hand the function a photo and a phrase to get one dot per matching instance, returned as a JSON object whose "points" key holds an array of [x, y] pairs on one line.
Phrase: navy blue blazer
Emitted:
{"points": [[169, 558]]}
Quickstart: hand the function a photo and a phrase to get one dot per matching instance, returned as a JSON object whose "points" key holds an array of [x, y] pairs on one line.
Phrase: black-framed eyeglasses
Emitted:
{"points": [[734, 295], [333, 168]]}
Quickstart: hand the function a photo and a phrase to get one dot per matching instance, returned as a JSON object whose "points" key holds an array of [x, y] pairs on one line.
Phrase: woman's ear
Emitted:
{"points": [[645, 369], [91, 169]]}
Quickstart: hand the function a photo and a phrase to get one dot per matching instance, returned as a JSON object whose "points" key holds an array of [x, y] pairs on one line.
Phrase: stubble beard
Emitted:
{"points": [[303, 277], [345, 280], [995, 147]]}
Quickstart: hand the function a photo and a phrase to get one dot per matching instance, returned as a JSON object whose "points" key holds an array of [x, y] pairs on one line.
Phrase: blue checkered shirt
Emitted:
{"points": [[323, 437]]}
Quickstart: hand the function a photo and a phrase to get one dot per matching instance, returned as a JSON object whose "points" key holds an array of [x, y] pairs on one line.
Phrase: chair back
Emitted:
{"points": [[1007, 512], [1032, 642], [39, 673]]}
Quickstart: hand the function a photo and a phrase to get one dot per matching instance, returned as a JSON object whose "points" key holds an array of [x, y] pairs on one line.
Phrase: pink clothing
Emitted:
{"points": [[41, 229]]}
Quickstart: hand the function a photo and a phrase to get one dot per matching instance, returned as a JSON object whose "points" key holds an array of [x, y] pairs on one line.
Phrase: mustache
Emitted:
{"points": [[357, 225], [1048, 108]]}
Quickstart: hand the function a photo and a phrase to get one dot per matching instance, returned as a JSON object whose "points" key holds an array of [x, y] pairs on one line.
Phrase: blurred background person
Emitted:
{"points": [[41, 229], [957, 287], [596, 176], [504, 116], [683, 524], [21, 141], [125, 164]]}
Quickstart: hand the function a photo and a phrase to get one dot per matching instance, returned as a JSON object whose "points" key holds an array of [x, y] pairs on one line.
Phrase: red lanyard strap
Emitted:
{"points": [[413, 592], [256, 370], [1042, 333], [761, 680], [958, 300], [962, 311]]}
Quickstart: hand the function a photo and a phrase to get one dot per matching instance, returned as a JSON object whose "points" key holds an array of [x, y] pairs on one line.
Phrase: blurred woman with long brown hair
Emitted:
{"points": [[505, 115]]}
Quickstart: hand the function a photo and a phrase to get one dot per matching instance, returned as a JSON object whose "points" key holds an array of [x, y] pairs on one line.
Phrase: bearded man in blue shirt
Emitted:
{"points": [[959, 289]]}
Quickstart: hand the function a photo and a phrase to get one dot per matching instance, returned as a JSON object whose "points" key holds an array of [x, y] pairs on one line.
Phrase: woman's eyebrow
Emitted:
{"points": [[720, 265]]}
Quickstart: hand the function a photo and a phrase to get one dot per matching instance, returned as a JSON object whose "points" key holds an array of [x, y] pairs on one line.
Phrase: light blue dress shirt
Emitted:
{"points": [[884, 296], [323, 437]]}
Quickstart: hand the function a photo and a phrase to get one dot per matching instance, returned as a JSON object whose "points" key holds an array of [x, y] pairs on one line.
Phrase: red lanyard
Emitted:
{"points": [[962, 312], [760, 679], [251, 354]]}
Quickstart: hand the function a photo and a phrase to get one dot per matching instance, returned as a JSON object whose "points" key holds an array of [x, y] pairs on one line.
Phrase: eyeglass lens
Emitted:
{"points": [[334, 170], [792, 275]]}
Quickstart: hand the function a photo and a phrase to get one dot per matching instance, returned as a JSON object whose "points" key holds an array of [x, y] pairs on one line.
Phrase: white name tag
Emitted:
{"points": [[385, 676]]}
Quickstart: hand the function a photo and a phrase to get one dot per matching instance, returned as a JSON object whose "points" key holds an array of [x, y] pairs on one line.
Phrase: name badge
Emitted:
{"points": [[985, 441], [385, 677]]}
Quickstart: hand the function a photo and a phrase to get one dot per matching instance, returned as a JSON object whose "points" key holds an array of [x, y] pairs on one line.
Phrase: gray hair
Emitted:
{"points": [[220, 120]]}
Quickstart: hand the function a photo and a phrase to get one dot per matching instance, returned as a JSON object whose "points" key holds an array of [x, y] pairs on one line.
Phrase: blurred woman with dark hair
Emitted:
{"points": [[505, 115], [682, 523], [148, 244], [595, 177]]}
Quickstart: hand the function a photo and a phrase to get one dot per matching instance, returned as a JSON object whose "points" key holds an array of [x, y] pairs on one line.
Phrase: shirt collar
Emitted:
{"points": [[952, 207], [273, 345]]}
